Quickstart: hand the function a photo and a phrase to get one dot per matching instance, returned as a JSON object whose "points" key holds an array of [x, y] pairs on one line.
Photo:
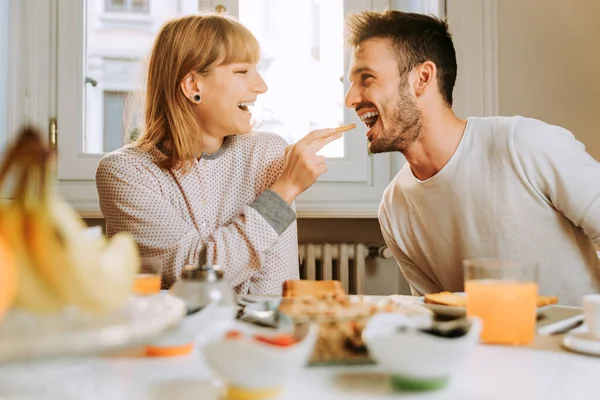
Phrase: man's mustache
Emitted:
{"points": [[360, 106]]}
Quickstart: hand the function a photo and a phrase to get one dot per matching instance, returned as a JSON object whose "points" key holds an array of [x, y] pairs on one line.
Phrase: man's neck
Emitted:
{"points": [[441, 134]]}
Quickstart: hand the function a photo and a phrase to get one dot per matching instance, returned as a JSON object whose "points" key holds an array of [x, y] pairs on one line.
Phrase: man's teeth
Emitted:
{"points": [[368, 114]]}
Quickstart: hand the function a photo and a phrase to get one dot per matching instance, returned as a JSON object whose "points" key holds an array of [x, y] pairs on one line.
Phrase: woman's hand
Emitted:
{"points": [[302, 166]]}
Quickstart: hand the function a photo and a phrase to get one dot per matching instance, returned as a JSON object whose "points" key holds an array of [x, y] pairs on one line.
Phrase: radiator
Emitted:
{"points": [[340, 261]]}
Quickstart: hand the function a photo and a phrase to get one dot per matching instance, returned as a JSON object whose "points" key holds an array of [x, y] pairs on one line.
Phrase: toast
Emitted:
{"points": [[446, 299], [546, 300], [344, 128], [457, 300], [302, 288]]}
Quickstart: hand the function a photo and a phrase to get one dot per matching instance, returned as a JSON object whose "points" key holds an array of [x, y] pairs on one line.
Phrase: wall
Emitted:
{"points": [[383, 276], [549, 57], [4, 43]]}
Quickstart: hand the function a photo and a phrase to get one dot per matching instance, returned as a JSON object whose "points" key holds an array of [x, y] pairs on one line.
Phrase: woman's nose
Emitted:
{"points": [[260, 85]]}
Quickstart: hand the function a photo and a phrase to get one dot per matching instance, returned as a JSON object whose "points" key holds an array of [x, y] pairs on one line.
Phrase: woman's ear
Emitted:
{"points": [[425, 75], [190, 88]]}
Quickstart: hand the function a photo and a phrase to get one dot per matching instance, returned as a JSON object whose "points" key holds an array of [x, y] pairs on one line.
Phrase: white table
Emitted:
{"points": [[491, 372]]}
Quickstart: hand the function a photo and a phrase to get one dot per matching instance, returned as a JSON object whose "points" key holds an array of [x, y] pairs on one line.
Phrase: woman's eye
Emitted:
{"points": [[244, 72]]}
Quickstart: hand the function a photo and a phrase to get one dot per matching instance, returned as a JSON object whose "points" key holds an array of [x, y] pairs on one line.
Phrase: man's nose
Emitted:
{"points": [[352, 97]]}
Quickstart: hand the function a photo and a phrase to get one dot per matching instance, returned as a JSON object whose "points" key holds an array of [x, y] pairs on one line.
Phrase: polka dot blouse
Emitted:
{"points": [[222, 203]]}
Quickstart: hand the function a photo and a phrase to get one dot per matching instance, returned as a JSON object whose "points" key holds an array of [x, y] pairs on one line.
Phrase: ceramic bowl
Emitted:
{"points": [[252, 366], [415, 359], [180, 339]]}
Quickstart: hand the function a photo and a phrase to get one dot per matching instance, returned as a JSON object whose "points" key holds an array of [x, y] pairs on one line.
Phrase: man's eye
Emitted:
{"points": [[364, 77]]}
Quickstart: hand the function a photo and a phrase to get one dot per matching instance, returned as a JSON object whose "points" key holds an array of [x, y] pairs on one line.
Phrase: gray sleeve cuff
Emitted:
{"points": [[275, 210]]}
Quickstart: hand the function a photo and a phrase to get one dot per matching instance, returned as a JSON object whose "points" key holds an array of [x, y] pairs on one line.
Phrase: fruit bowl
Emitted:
{"points": [[72, 333]]}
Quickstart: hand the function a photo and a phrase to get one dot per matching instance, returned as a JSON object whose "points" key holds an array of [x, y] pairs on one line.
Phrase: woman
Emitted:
{"points": [[196, 177]]}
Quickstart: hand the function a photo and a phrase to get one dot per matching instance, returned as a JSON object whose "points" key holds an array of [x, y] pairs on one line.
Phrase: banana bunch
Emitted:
{"points": [[58, 264]]}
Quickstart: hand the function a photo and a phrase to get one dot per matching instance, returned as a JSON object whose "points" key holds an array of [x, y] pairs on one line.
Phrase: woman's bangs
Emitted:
{"points": [[241, 47]]}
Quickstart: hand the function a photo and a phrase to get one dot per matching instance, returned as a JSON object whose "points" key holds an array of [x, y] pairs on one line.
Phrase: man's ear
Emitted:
{"points": [[425, 76], [190, 87]]}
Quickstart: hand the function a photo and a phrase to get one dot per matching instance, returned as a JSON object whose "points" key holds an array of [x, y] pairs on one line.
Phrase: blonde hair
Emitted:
{"points": [[196, 43]]}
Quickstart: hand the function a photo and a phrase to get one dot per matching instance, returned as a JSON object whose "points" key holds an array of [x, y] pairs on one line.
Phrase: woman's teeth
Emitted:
{"points": [[369, 118], [245, 105]]}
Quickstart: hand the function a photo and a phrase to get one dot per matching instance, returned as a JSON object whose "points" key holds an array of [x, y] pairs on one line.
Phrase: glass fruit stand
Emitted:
{"points": [[65, 294]]}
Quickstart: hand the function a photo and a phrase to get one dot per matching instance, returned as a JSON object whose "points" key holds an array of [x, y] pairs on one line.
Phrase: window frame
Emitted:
{"points": [[33, 97], [127, 9]]}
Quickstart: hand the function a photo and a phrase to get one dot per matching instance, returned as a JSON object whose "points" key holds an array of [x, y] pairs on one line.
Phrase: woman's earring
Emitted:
{"points": [[196, 98]]}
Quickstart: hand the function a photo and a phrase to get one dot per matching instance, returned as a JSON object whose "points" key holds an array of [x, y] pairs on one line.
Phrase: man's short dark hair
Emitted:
{"points": [[416, 37]]}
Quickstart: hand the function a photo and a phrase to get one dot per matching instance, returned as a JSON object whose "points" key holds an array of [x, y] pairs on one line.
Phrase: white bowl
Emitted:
{"points": [[187, 331], [415, 359], [250, 365]]}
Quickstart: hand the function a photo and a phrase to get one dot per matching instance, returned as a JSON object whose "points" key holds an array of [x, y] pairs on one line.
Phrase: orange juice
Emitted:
{"points": [[146, 284], [507, 309]]}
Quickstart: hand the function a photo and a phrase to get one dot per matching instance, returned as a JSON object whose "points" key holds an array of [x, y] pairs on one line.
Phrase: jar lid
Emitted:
{"points": [[206, 273]]}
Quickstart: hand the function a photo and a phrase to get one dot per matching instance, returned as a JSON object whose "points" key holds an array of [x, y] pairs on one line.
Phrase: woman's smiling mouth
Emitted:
{"points": [[246, 106]]}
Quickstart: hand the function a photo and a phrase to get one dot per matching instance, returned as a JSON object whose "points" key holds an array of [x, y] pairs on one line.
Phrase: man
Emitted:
{"points": [[497, 187]]}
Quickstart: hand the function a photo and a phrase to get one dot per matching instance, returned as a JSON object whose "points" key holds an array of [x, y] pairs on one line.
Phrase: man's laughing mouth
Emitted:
{"points": [[369, 118]]}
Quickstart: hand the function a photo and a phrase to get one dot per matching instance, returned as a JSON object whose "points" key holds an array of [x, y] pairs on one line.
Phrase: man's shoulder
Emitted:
{"points": [[534, 138], [493, 127]]}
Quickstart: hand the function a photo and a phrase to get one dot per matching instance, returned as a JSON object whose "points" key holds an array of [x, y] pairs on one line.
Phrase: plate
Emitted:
{"points": [[72, 333], [455, 311], [442, 310], [582, 342]]}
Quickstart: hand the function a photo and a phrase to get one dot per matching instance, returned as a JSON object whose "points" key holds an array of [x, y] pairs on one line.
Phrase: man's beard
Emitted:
{"points": [[404, 126]]}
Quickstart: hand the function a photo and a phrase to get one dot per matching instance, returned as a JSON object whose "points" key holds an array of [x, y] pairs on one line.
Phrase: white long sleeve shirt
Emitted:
{"points": [[223, 203], [515, 188]]}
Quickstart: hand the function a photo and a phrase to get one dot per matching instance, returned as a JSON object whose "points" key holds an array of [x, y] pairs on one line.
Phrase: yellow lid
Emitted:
{"points": [[236, 393]]}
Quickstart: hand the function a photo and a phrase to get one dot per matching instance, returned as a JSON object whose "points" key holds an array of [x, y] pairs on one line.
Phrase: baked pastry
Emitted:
{"points": [[459, 300], [546, 300], [300, 288], [446, 299], [341, 320]]}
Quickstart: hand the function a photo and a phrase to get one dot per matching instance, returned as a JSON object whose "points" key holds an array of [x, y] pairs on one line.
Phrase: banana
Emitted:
{"points": [[59, 265], [102, 272], [33, 293]]}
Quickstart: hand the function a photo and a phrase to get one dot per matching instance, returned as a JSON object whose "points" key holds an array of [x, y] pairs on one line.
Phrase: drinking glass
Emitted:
{"points": [[148, 281], [503, 294]]}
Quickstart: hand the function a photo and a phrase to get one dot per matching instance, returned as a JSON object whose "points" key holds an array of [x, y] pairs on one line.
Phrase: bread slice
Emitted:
{"points": [[457, 300], [301, 288], [546, 300], [446, 299]]}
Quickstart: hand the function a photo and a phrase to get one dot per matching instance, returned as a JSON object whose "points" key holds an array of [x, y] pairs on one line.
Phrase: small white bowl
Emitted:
{"points": [[415, 359], [251, 366], [180, 339]]}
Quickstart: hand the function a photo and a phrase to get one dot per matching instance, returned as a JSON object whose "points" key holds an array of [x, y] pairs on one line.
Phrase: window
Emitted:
{"points": [[114, 135], [130, 6], [306, 91], [304, 74], [74, 65]]}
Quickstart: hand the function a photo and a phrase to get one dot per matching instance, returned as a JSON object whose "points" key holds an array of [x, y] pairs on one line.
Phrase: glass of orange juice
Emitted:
{"points": [[148, 281], [503, 294]]}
